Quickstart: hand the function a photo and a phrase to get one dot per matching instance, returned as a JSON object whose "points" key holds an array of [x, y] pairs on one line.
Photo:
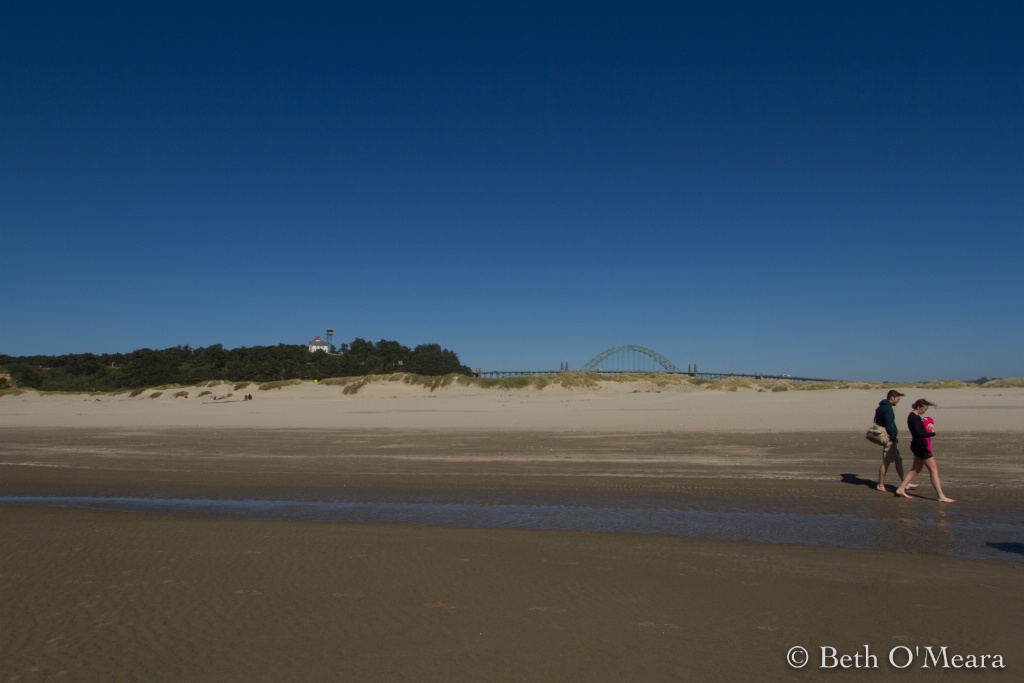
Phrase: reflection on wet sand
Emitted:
{"points": [[940, 531], [930, 532]]}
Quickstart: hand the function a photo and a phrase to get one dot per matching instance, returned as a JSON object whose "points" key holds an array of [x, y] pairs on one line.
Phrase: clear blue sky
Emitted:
{"points": [[819, 189]]}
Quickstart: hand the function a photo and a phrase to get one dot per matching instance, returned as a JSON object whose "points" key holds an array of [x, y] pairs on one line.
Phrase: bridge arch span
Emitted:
{"points": [[665, 363]]}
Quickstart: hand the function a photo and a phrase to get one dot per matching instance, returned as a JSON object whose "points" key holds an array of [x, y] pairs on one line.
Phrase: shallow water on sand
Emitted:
{"points": [[944, 530]]}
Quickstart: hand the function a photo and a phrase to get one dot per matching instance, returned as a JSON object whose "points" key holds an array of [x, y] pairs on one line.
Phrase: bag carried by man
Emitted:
{"points": [[876, 434]]}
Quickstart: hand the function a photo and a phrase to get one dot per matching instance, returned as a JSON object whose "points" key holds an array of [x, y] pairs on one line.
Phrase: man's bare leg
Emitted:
{"points": [[899, 471]]}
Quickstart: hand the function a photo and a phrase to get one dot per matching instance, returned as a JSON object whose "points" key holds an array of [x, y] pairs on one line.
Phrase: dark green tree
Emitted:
{"points": [[185, 365]]}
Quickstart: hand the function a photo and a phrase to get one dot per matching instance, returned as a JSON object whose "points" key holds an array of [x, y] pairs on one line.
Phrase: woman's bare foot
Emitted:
{"points": [[911, 486], [901, 493], [946, 500], [881, 487]]}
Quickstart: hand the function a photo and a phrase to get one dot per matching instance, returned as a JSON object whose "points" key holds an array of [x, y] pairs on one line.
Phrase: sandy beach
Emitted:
{"points": [[621, 533]]}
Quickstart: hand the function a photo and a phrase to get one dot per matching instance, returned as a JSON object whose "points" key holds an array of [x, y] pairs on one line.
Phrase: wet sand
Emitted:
{"points": [[137, 595], [109, 596]]}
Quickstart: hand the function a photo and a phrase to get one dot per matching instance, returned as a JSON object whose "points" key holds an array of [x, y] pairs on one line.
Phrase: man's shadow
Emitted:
{"points": [[858, 480], [1017, 548]]}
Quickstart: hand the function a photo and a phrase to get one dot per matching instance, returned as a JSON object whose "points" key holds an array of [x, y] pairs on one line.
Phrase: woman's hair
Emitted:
{"points": [[922, 402]]}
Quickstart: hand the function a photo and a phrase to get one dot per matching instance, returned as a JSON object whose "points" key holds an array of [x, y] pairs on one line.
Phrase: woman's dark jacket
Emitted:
{"points": [[920, 435]]}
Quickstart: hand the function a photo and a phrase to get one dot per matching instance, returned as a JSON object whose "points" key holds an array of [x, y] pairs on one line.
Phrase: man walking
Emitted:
{"points": [[886, 417]]}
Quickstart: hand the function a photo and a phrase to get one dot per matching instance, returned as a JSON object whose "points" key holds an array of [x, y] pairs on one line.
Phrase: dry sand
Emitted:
{"points": [[147, 595], [625, 407]]}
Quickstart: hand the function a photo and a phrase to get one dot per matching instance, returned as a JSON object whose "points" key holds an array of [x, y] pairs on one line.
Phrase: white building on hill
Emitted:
{"points": [[318, 344]]}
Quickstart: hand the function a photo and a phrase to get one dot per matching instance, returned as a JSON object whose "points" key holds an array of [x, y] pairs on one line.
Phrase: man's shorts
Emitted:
{"points": [[891, 454]]}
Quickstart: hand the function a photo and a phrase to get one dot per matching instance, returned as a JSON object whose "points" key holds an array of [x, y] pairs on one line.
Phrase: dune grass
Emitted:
{"points": [[592, 381], [354, 387], [339, 381], [431, 383], [731, 384], [949, 384], [278, 384], [506, 383], [567, 380], [654, 381], [1008, 383]]}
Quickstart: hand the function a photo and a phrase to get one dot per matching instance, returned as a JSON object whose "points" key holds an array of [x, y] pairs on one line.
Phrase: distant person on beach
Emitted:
{"points": [[921, 446], [885, 417]]}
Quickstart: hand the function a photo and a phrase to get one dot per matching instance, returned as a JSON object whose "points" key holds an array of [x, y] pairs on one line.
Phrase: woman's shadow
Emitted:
{"points": [[858, 480]]}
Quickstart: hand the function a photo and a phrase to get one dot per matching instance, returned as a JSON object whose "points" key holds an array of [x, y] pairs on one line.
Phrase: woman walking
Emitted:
{"points": [[921, 447]]}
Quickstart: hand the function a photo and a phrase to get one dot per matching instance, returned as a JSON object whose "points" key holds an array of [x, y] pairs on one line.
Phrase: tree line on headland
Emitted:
{"points": [[187, 366]]}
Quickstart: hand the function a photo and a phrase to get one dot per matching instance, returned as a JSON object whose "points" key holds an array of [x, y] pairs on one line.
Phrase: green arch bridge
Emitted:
{"points": [[642, 359]]}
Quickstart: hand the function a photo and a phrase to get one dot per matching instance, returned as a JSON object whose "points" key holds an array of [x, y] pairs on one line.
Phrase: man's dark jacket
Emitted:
{"points": [[886, 417]]}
